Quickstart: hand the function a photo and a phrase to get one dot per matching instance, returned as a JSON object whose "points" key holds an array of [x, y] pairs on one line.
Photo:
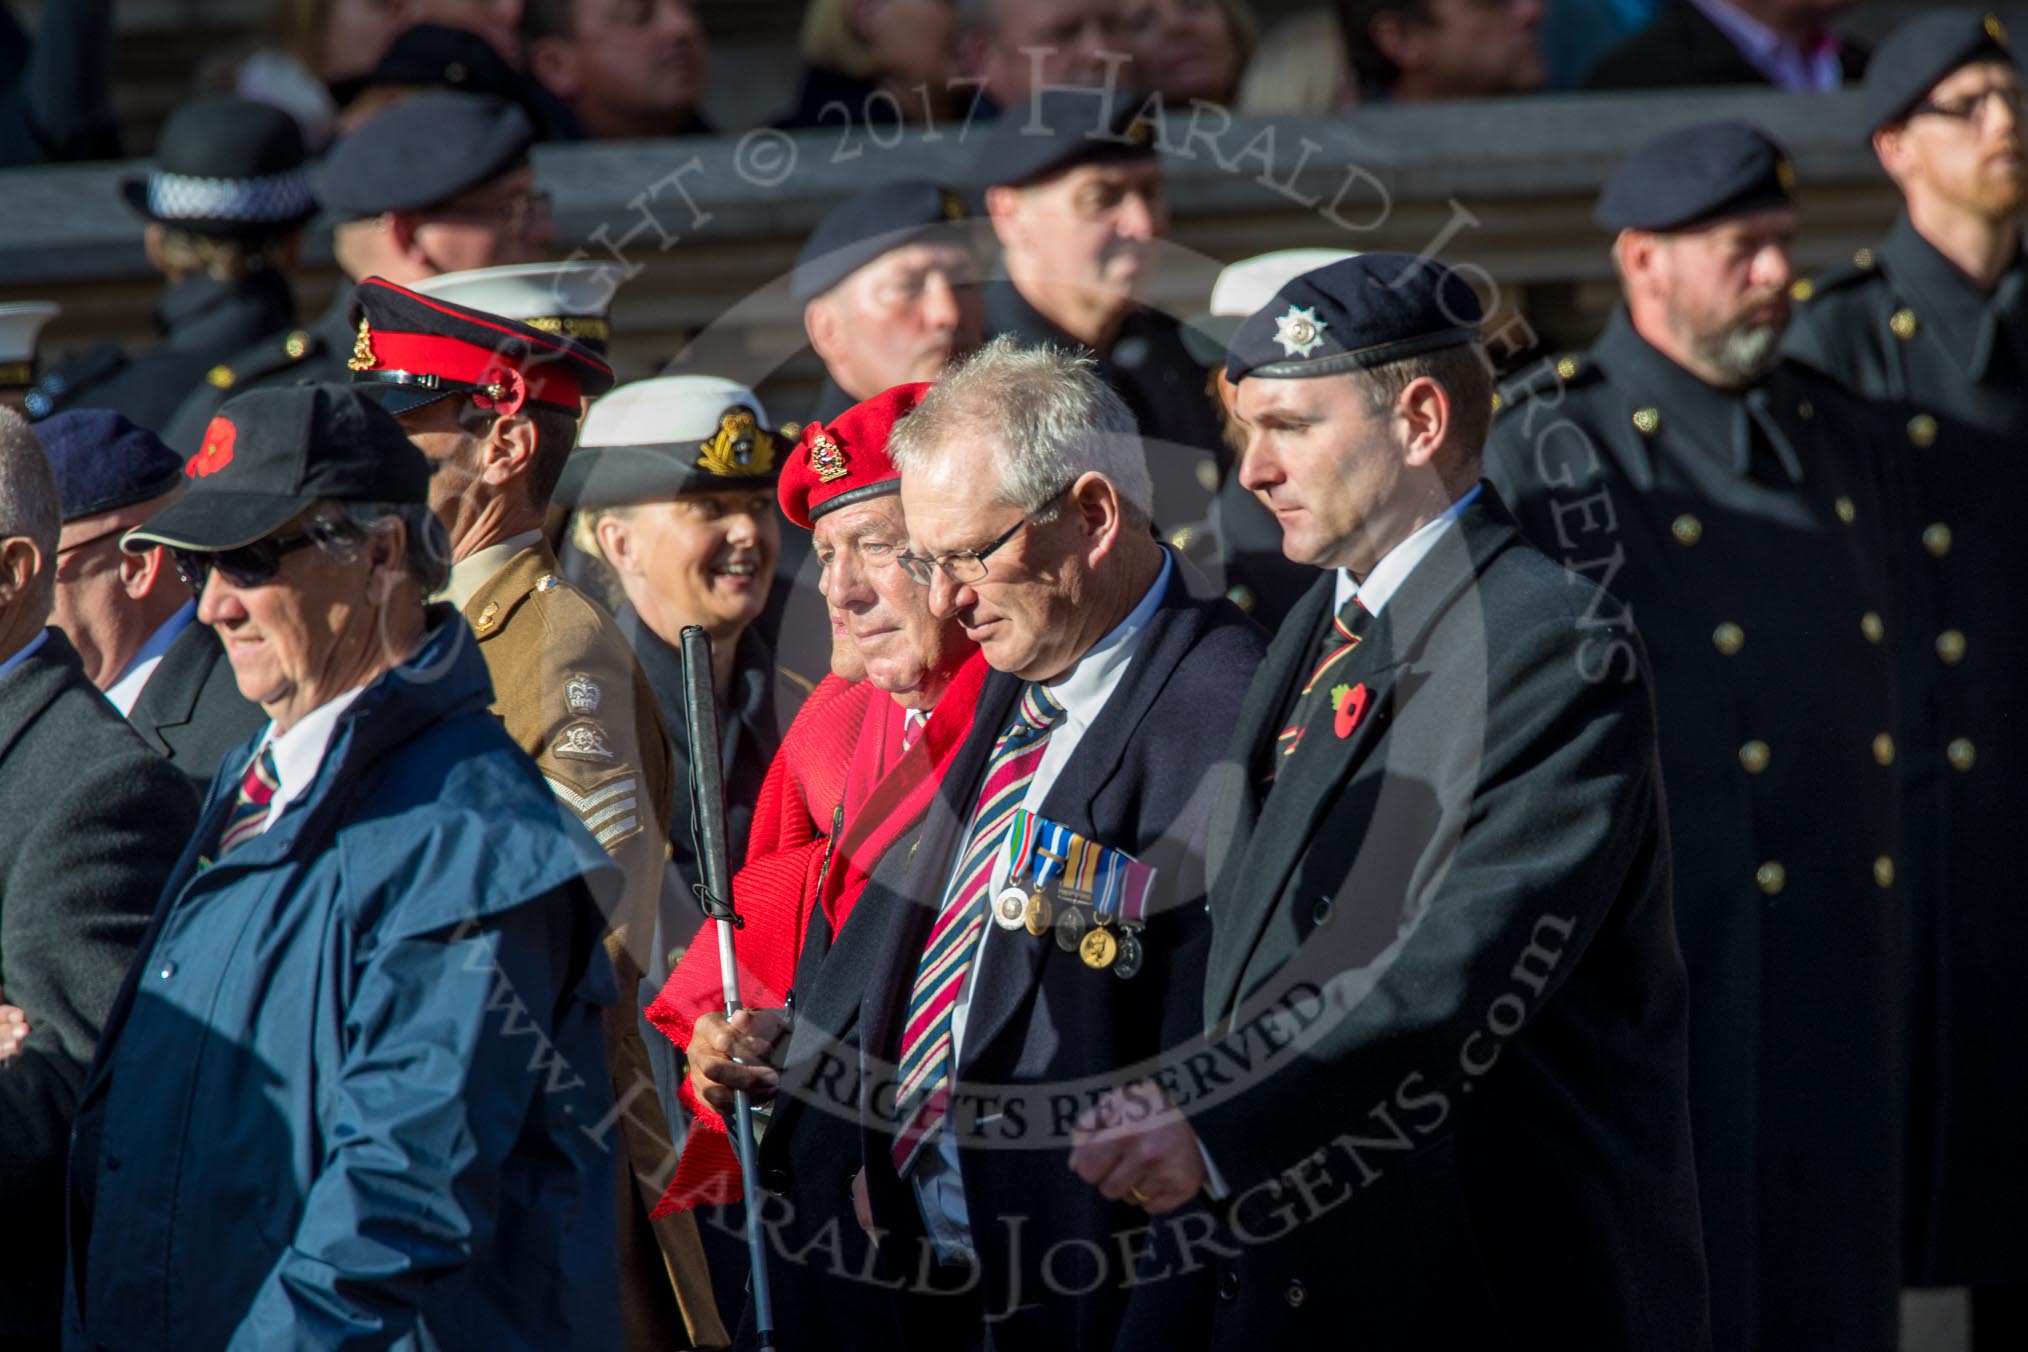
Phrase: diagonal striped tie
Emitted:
{"points": [[250, 809], [926, 1060], [1348, 626]]}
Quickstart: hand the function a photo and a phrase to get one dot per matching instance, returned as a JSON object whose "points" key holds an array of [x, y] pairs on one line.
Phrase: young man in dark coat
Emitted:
{"points": [[93, 824], [1931, 321], [1735, 504], [1443, 1098]]}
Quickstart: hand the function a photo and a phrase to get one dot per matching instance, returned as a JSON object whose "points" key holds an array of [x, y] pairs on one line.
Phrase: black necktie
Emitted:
{"points": [[1316, 701]]}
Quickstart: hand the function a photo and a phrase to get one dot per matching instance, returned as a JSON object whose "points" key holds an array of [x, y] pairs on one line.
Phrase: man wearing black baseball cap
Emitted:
{"points": [[1077, 200], [321, 991], [1736, 503], [1934, 320], [438, 183], [225, 202], [1433, 814]]}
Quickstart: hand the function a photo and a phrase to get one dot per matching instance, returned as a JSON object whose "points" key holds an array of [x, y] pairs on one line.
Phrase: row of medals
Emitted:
{"points": [[1021, 906]]}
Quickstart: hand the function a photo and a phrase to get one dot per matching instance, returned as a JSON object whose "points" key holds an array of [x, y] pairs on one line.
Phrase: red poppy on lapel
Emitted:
{"points": [[1351, 707]]}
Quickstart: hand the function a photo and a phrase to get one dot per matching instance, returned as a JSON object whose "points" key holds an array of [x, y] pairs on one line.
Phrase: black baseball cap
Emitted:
{"points": [[269, 454]]}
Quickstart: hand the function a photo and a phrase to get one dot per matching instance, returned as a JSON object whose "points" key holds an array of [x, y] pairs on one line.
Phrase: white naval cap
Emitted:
{"points": [[21, 326], [568, 299], [655, 439]]}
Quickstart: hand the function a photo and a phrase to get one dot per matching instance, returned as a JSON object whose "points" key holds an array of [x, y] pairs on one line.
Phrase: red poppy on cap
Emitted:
{"points": [[844, 461]]}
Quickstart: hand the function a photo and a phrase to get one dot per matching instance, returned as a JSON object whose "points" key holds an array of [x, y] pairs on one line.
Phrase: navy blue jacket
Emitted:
{"points": [[350, 1095]]}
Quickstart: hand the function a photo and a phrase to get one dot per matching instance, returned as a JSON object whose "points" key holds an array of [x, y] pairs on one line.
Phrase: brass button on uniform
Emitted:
{"points": [[1687, 529], [1728, 638], [1771, 877], [1806, 410], [297, 344], [1566, 367], [1863, 259], [1754, 756], [1182, 537], [1903, 323], [1847, 513], [1873, 627], [1950, 646], [489, 614], [1648, 421], [1883, 871], [1295, 1295], [1922, 430], [1497, 401], [1883, 749], [220, 377], [1961, 754], [1936, 538], [1802, 288]]}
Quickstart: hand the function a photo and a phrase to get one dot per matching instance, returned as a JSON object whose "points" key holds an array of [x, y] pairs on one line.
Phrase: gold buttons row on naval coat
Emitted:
{"points": [[1728, 638], [1847, 513], [1950, 646], [1687, 530], [1754, 756], [1936, 538], [1771, 877], [1961, 753], [1922, 430], [1873, 627]]}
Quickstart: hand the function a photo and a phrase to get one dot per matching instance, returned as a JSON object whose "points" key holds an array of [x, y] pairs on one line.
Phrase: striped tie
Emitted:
{"points": [[926, 1060], [250, 809]]}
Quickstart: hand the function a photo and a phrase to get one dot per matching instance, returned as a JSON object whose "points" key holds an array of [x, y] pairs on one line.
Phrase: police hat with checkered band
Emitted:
{"points": [[226, 167], [409, 350]]}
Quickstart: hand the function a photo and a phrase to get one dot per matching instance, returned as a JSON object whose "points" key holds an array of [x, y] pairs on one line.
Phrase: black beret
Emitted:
{"points": [[1694, 176], [226, 166], [1059, 129], [268, 454], [1915, 56], [1367, 311], [866, 226], [103, 461], [422, 151]]}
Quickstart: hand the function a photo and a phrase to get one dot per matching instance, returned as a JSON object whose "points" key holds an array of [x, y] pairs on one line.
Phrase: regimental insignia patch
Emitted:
{"points": [[742, 447], [827, 457], [583, 741], [581, 693], [363, 358], [1299, 332]]}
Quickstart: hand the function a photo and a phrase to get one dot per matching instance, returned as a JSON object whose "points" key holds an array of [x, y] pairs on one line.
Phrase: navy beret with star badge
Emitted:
{"points": [[422, 151], [1355, 315], [1694, 176], [861, 229], [1059, 129], [1915, 56], [104, 462]]}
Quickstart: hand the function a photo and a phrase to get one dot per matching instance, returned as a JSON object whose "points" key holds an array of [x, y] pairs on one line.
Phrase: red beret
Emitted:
{"points": [[844, 461]]}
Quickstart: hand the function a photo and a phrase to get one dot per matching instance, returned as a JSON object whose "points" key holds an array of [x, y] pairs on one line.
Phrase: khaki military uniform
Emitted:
{"points": [[570, 693]]}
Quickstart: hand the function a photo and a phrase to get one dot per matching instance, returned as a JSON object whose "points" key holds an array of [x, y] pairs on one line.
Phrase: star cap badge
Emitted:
{"points": [[1299, 332]]}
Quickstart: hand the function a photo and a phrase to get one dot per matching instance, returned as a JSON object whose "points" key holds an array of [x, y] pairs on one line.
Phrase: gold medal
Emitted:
{"points": [[1098, 948], [1010, 907], [1039, 914]]}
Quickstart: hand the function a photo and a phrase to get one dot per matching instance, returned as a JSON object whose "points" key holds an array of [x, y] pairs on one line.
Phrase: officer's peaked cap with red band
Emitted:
{"points": [[409, 350], [844, 461]]}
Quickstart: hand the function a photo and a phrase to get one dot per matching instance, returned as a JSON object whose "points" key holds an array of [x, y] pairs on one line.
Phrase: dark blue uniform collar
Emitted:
{"points": [[204, 313], [1966, 320], [1722, 421]]}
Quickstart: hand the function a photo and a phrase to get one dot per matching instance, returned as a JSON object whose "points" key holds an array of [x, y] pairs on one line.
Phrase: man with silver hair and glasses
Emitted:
{"points": [[1737, 505], [1045, 935], [347, 1093]]}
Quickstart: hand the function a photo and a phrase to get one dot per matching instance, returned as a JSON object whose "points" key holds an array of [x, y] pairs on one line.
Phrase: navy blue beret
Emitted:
{"points": [[861, 229], [1915, 56], [1365, 312], [1059, 129], [439, 56], [1696, 175], [103, 461], [424, 150]]}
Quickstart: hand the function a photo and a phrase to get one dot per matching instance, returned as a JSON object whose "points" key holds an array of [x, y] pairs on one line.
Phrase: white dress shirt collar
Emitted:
{"points": [[1086, 687], [299, 752], [1397, 563], [126, 691]]}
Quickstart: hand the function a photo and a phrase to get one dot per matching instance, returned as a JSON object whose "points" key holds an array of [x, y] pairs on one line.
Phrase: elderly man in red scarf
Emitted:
{"points": [[853, 778]]}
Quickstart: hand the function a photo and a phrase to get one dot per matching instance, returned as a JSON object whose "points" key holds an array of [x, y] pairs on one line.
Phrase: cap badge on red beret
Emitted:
{"points": [[362, 350], [828, 459], [216, 452], [742, 446]]}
